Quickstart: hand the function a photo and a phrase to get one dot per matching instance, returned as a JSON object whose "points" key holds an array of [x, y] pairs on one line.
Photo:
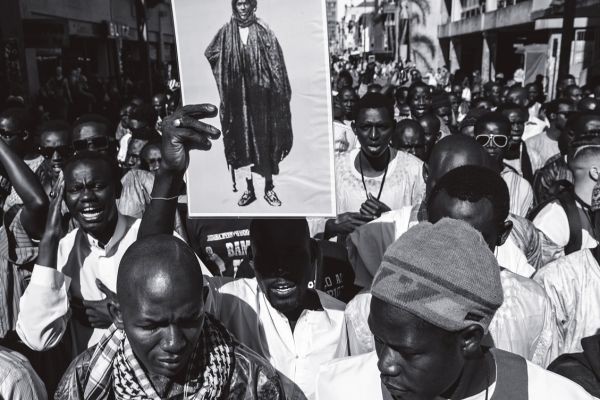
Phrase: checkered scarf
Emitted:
{"points": [[114, 367]]}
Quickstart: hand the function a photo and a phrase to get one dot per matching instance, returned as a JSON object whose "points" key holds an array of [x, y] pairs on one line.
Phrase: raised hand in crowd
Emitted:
{"points": [[181, 132], [54, 230]]}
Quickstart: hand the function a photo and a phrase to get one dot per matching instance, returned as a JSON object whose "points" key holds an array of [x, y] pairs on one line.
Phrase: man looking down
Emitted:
{"points": [[162, 344]]}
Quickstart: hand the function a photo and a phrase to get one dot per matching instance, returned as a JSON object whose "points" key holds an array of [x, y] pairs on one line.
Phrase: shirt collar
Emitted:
{"points": [[119, 233]]}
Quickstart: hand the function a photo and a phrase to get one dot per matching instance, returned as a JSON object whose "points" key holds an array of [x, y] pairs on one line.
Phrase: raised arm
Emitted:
{"points": [[182, 132], [29, 189], [44, 306]]}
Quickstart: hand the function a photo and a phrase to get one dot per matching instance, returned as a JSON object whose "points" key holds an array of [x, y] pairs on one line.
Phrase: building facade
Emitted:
{"points": [[394, 30], [501, 36], [98, 36]]}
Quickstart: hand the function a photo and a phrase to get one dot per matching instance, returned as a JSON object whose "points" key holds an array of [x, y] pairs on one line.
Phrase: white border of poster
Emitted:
{"points": [[305, 184]]}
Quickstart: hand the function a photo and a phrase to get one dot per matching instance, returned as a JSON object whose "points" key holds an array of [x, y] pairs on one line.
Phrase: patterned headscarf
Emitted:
{"points": [[114, 367]]}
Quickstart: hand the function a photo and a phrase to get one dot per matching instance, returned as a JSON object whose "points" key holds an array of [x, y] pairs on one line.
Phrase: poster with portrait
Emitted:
{"points": [[265, 65]]}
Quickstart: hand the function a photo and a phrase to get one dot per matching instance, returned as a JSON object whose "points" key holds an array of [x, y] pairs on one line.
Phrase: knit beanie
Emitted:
{"points": [[443, 273]]}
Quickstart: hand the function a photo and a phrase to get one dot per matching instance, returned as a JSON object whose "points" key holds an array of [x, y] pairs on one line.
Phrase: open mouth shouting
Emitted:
{"points": [[91, 214]]}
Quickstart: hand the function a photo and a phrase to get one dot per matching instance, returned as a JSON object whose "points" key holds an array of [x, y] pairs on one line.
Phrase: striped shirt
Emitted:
{"points": [[18, 380], [17, 255]]}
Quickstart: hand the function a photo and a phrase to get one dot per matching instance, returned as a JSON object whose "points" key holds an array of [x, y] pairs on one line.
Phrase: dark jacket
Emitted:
{"points": [[582, 368]]}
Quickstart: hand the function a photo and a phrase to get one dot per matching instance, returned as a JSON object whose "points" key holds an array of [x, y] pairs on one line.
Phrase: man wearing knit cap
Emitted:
{"points": [[525, 323], [434, 296]]}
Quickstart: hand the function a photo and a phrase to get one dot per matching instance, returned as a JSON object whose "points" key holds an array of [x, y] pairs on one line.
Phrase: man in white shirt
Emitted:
{"points": [[376, 177], [524, 324], [517, 155], [492, 131], [278, 314], [88, 257], [562, 219], [433, 300]]}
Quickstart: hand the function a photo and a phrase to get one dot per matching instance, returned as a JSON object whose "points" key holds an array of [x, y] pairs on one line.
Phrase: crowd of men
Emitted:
{"points": [[463, 262]]}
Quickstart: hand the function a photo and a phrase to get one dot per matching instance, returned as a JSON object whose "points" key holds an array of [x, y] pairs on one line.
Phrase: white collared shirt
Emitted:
{"points": [[358, 378], [45, 311], [318, 337]]}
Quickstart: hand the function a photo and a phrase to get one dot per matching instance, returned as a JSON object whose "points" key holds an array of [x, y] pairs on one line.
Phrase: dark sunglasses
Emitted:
{"points": [[499, 141], [95, 144], [65, 151]]}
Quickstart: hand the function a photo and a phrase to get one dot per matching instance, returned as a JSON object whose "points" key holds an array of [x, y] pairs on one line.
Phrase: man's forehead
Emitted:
{"points": [[54, 133], [89, 168], [411, 133], [373, 115], [516, 114], [88, 131], [396, 327]]}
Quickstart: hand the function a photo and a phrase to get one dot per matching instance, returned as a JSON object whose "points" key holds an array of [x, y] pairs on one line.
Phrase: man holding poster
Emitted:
{"points": [[247, 63]]}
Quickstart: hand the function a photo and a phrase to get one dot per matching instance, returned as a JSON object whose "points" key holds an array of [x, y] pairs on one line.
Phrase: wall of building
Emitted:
{"points": [[98, 35]]}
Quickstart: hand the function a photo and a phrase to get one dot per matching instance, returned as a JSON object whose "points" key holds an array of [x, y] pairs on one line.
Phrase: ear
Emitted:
{"points": [[470, 341], [25, 135], [504, 232], [114, 309], [353, 125], [594, 173]]}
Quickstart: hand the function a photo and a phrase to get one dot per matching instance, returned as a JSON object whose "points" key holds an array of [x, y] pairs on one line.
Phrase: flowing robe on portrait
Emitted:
{"points": [[255, 97]]}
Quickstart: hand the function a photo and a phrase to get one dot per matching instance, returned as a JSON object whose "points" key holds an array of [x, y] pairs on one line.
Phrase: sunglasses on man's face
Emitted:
{"points": [[499, 141], [64, 152], [95, 144]]}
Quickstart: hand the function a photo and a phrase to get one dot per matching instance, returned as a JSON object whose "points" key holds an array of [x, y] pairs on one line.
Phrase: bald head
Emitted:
{"points": [[158, 267], [431, 125], [452, 152]]}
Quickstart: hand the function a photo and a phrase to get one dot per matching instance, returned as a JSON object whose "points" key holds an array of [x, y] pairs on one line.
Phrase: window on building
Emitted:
{"points": [[472, 8]]}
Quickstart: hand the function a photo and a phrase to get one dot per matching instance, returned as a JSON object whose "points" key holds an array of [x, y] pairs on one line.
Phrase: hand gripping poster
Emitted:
{"points": [[265, 65]]}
